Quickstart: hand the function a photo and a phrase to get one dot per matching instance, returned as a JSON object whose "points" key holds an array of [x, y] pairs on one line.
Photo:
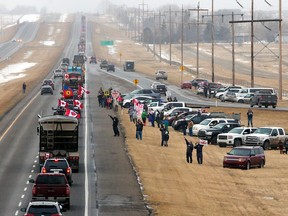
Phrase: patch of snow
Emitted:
{"points": [[14, 71], [63, 17], [47, 43], [51, 30], [27, 54], [29, 18]]}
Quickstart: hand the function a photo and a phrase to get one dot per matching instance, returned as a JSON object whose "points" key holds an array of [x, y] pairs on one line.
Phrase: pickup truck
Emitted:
{"points": [[169, 105], [264, 98], [104, 64], [267, 137], [210, 134], [234, 137], [51, 186]]}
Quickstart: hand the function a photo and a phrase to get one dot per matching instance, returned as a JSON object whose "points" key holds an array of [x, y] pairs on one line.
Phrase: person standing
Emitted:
{"points": [[199, 153], [189, 150], [190, 128], [164, 136], [151, 117], [24, 87], [184, 128], [115, 125], [139, 129], [250, 117]]}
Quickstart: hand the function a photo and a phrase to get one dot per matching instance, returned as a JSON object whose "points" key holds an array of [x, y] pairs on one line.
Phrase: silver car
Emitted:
{"points": [[161, 75]]}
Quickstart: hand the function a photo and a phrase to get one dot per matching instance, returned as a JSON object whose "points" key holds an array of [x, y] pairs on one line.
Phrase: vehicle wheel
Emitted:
{"points": [[248, 166], [68, 205], [266, 145], [222, 145], [274, 106], [262, 164], [241, 101], [266, 106], [237, 142], [214, 140]]}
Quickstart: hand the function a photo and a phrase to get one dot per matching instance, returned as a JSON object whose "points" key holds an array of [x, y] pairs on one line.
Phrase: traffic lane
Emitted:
{"points": [[117, 189]]}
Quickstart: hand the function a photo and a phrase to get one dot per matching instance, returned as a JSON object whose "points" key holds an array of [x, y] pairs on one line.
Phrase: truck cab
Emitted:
{"points": [[129, 66]]}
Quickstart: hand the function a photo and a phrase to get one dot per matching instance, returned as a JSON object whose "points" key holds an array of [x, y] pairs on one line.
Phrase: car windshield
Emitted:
{"points": [[43, 209], [263, 131], [219, 126], [240, 152], [236, 130], [205, 122]]}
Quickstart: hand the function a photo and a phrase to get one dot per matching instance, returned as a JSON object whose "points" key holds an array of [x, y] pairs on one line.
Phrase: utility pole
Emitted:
{"points": [[182, 38], [233, 51], [280, 93], [252, 43], [212, 40], [170, 32], [160, 37]]}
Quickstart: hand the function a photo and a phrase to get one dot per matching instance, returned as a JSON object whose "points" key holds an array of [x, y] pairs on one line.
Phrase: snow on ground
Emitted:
{"points": [[29, 18], [47, 43], [14, 71], [63, 17]]}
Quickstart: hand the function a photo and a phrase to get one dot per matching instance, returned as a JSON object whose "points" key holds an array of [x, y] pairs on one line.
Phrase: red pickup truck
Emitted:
{"points": [[51, 186]]}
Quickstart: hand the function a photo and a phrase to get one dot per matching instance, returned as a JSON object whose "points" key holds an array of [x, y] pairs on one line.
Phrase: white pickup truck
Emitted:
{"points": [[234, 137], [267, 137]]}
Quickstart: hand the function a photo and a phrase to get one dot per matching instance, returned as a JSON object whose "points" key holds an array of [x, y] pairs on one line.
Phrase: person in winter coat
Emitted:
{"points": [[250, 117], [144, 117], [189, 150], [166, 123], [164, 136], [184, 128], [190, 128], [115, 125], [130, 112], [151, 117], [199, 153], [139, 129], [134, 116]]}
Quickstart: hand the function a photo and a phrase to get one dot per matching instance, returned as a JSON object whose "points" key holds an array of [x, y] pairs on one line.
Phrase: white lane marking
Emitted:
{"points": [[85, 158], [32, 171], [27, 182], [20, 203], [17, 212], [34, 166], [17, 117], [25, 189], [30, 176], [35, 161], [22, 196]]}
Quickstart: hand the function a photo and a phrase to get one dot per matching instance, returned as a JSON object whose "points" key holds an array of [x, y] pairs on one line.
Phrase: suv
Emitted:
{"points": [[58, 73], [161, 75], [43, 208], [129, 66], [58, 165], [93, 60], [149, 92], [48, 82], [245, 157], [46, 89]]}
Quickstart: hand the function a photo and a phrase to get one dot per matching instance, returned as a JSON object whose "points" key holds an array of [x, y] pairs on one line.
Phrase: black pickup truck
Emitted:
{"points": [[264, 98], [211, 134], [51, 186]]}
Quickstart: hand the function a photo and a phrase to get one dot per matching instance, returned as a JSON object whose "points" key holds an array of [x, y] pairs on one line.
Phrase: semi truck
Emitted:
{"points": [[58, 138]]}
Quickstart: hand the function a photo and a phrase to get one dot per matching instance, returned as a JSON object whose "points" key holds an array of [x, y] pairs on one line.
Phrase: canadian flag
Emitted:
{"points": [[78, 104], [135, 101], [66, 76], [81, 91], [72, 113], [62, 103]]}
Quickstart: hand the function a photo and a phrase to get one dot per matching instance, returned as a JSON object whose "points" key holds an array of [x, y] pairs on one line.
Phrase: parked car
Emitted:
{"points": [[244, 98], [179, 115], [161, 75], [140, 98], [197, 82], [230, 95], [46, 89], [186, 85], [210, 134], [58, 165], [43, 208], [195, 118], [264, 99], [212, 87], [219, 94], [149, 92], [154, 84], [48, 82], [111, 67], [245, 157], [177, 110]]}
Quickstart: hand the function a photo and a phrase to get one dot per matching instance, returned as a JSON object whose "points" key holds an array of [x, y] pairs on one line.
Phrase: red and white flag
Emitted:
{"points": [[66, 76], [78, 104], [62, 103], [72, 113]]}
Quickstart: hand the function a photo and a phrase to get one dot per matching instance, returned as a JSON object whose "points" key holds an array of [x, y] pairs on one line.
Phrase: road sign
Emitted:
{"points": [[182, 68], [107, 43], [136, 81]]}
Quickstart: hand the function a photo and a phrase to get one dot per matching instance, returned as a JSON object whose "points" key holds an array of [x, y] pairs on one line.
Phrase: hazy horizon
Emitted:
{"points": [[89, 6]]}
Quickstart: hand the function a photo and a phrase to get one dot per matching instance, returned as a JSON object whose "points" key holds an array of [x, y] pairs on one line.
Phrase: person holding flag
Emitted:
{"points": [[115, 125], [199, 150], [81, 91]]}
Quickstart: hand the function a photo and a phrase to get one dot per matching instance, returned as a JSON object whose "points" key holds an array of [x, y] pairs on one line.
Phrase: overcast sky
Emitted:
{"points": [[92, 5]]}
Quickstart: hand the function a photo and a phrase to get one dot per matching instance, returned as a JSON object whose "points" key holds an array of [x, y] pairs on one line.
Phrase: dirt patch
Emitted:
{"points": [[174, 187]]}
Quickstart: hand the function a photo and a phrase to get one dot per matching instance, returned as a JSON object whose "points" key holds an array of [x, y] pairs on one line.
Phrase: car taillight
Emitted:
{"points": [[67, 190], [68, 171], [34, 191], [43, 170], [73, 158]]}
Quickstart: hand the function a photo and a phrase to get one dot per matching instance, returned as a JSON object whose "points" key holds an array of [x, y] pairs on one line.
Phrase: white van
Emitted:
{"points": [[250, 91]]}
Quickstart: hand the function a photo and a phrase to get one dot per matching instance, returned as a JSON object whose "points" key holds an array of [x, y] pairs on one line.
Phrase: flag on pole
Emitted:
{"points": [[78, 104], [62, 103], [72, 113]]}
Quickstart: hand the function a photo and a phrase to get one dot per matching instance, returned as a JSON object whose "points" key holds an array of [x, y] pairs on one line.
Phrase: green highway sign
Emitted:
{"points": [[107, 43]]}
